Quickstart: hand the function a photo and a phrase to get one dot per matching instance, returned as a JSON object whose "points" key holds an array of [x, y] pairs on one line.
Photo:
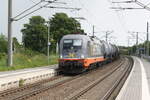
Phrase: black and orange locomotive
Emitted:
{"points": [[81, 52]]}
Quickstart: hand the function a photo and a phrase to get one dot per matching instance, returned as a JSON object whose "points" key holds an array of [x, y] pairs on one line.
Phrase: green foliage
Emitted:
{"points": [[61, 25], [35, 34], [123, 50], [3, 44], [2, 55], [15, 42], [134, 50], [23, 58], [28, 59]]}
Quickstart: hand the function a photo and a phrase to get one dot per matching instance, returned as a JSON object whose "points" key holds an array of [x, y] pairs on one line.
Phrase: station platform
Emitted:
{"points": [[137, 85], [26, 70], [11, 79]]}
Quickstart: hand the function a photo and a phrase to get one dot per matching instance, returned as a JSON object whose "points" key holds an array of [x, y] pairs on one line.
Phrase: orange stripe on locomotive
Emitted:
{"points": [[86, 62]]}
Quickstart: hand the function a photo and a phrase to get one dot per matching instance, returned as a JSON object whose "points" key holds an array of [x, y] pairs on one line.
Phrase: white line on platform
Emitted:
{"points": [[145, 88]]}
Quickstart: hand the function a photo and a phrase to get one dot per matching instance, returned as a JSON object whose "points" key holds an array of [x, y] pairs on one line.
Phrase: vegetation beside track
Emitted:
{"points": [[28, 60]]}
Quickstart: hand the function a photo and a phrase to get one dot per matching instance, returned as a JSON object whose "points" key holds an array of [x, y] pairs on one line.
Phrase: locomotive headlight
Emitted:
{"points": [[60, 56], [82, 56]]}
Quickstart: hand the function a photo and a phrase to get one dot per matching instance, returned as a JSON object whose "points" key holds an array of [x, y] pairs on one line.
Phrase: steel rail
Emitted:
{"points": [[15, 90], [93, 84], [122, 78], [43, 89]]}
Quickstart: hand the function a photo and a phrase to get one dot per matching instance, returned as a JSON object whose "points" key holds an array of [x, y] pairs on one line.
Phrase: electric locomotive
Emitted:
{"points": [[80, 52]]}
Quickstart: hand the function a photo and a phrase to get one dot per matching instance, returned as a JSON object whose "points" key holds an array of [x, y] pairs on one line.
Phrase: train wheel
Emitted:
{"points": [[99, 64]]}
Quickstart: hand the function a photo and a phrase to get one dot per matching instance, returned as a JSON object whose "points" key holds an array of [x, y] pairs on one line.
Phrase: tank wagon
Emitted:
{"points": [[81, 52]]}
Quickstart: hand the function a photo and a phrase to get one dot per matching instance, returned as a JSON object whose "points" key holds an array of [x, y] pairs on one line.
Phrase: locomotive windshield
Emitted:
{"points": [[72, 44]]}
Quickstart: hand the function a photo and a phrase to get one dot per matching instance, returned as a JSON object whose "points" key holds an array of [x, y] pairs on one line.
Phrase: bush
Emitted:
{"points": [[2, 55], [27, 59], [3, 44], [29, 52]]}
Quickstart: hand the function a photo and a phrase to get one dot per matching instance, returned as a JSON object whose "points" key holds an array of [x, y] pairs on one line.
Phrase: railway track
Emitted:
{"points": [[10, 92], [41, 87], [33, 86], [109, 93], [14, 90], [58, 97]]}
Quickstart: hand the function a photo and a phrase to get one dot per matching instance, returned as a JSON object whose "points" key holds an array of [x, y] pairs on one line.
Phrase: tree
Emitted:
{"points": [[61, 25], [3, 44], [35, 34], [16, 44]]}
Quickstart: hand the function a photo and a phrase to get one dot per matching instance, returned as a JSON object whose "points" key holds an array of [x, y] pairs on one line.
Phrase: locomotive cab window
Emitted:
{"points": [[67, 44], [77, 42], [72, 44]]}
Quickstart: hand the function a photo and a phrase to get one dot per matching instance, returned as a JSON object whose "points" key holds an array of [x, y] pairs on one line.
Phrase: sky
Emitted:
{"points": [[96, 12]]}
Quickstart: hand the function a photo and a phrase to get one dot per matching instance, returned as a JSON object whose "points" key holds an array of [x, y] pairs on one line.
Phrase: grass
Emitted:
{"points": [[23, 60]]}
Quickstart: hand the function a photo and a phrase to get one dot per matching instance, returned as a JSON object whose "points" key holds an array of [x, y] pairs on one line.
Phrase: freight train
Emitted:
{"points": [[79, 53]]}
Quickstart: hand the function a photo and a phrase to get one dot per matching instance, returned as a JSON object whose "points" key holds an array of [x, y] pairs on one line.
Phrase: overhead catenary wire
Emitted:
{"points": [[10, 21], [30, 13], [120, 14], [48, 3], [62, 7], [88, 11], [142, 5], [98, 29], [35, 4], [148, 4], [32, 1], [28, 9], [119, 18]]}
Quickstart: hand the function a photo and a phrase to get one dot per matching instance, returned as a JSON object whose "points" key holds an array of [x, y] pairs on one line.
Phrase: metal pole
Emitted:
{"points": [[136, 43], [128, 46], [137, 38], [93, 31], [48, 41], [147, 39], [106, 36], [10, 52]]}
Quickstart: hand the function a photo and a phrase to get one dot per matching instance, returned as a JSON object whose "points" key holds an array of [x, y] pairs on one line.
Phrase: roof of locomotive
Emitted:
{"points": [[76, 36], [83, 37]]}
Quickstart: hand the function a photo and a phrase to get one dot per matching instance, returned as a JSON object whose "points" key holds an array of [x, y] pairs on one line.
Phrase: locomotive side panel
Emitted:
{"points": [[95, 53]]}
